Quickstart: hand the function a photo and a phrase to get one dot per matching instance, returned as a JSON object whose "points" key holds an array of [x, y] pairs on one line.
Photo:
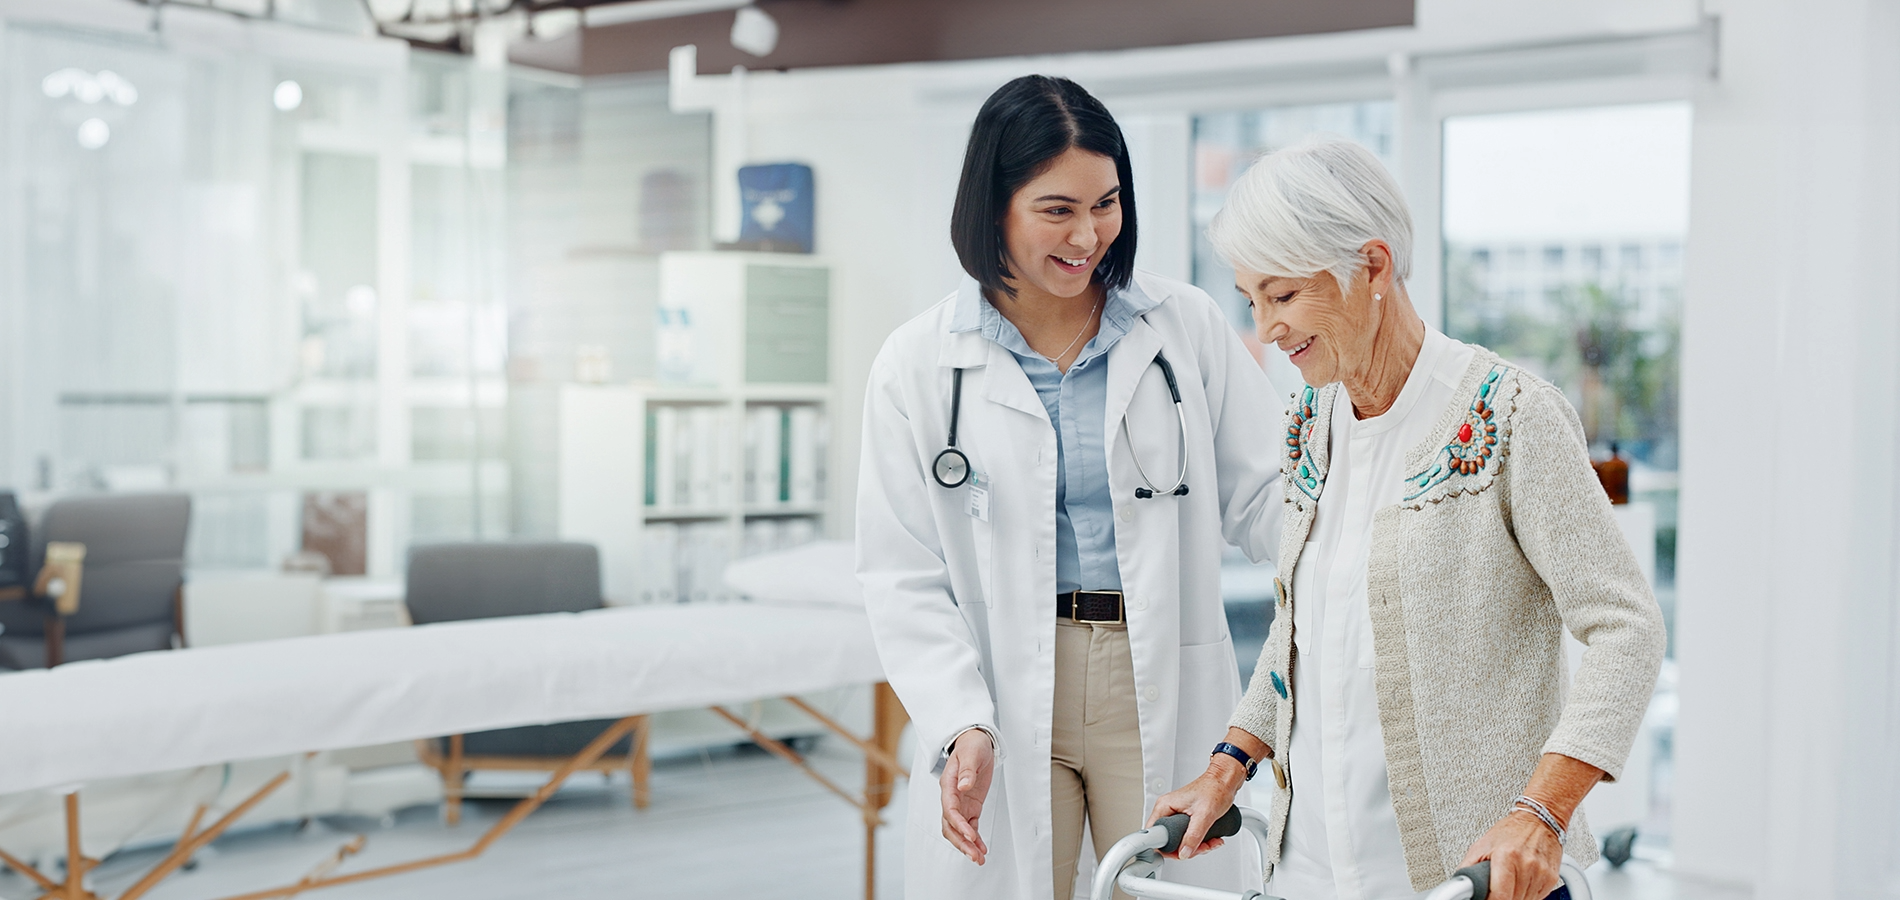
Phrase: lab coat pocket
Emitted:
{"points": [[1210, 689], [982, 540]]}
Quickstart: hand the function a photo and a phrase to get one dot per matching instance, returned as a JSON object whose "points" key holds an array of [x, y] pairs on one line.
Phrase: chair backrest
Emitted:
{"points": [[451, 582], [135, 559]]}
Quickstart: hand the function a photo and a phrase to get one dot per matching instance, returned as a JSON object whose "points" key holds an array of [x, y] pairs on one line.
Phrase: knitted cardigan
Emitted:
{"points": [[1504, 539]]}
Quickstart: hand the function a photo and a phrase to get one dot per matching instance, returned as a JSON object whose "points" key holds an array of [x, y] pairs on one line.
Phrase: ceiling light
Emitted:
{"points": [[120, 90], [287, 96], [93, 134], [754, 32], [88, 88]]}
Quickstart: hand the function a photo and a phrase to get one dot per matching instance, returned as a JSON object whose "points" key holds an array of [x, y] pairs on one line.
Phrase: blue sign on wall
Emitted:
{"points": [[776, 204]]}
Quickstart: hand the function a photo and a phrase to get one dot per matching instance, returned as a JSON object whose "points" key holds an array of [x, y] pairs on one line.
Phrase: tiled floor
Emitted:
{"points": [[733, 822]]}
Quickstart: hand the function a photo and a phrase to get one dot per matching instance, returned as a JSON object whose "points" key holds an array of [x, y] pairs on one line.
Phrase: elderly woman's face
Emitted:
{"points": [[1326, 332], [1062, 222]]}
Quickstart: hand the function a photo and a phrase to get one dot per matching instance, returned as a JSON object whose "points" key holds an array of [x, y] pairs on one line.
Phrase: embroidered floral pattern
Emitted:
{"points": [[1300, 467], [1472, 446]]}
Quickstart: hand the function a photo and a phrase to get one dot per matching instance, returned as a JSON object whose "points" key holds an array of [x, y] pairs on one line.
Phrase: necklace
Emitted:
{"points": [[1078, 335]]}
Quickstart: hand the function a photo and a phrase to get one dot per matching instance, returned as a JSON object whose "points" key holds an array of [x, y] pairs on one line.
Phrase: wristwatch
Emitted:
{"points": [[1246, 762]]}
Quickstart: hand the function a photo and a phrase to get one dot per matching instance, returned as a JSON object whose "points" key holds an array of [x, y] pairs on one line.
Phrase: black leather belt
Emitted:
{"points": [[1090, 607]]}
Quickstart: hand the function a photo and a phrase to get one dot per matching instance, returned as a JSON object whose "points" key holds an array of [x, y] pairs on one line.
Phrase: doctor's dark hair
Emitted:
{"points": [[1019, 132]]}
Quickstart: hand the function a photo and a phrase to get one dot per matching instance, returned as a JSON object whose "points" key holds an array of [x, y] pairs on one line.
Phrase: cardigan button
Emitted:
{"points": [[1279, 685], [1279, 590], [1279, 774]]}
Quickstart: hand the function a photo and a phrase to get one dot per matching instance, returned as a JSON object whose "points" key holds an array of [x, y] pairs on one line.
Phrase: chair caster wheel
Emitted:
{"points": [[1617, 846]]}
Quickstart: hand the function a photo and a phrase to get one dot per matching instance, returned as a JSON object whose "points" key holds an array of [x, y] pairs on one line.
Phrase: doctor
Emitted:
{"points": [[1054, 456]]}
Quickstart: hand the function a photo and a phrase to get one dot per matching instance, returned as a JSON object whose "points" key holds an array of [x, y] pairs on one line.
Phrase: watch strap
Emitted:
{"points": [[1246, 762]]}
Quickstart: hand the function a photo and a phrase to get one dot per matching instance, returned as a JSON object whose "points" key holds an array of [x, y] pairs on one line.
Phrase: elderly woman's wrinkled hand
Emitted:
{"points": [[1526, 860], [1204, 799]]}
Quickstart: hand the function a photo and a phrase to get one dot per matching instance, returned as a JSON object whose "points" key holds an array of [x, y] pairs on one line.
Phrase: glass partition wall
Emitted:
{"points": [[268, 276]]}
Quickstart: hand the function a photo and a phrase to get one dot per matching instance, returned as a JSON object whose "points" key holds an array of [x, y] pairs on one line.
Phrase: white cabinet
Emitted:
{"points": [[727, 452], [672, 484]]}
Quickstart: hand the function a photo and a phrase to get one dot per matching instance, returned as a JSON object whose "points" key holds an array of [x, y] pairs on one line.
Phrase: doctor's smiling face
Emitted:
{"points": [[1061, 223]]}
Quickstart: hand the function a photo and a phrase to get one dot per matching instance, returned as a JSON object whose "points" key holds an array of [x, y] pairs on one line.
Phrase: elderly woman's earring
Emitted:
{"points": [[1376, 298]]}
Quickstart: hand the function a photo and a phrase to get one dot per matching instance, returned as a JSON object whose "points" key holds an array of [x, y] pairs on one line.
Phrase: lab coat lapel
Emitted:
{"points": [[1128, 362], [1005, 384]]}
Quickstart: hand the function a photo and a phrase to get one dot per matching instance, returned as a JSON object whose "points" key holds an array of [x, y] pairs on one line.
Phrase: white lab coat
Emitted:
{"points": [[964, 609]]}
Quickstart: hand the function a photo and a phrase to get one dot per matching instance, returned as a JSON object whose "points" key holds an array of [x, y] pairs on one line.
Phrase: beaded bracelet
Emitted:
{"points": [[1543, 814]]}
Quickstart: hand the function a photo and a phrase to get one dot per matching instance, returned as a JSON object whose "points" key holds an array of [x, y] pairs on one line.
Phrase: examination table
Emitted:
{"points": [[155, 712]]}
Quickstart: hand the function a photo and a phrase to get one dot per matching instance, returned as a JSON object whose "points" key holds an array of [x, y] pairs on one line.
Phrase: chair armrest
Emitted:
{"points": [[60, 575]]}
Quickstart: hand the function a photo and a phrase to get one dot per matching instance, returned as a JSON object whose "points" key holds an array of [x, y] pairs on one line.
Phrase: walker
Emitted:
{"points": [[1134, 860]]}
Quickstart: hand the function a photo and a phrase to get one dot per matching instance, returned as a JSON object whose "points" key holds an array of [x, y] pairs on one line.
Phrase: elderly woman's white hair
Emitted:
{"points": [[1310, 208]]}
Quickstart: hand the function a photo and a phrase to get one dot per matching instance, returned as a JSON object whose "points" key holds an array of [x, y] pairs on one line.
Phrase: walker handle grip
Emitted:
{"points": [[1227, 825], [1480, 875]]}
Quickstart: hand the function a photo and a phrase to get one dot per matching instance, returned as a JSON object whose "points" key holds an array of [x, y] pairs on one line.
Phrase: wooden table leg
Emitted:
{"points": [[642, 766], [76, 862], [888, 719], [452, 782], [55, 640]]}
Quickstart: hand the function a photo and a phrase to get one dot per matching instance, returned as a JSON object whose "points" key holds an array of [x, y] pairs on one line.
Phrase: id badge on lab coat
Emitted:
{"points": [[979, 496]]}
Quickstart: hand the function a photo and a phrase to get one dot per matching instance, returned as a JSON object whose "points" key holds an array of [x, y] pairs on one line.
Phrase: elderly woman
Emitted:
{"points": [[1443, 529]]}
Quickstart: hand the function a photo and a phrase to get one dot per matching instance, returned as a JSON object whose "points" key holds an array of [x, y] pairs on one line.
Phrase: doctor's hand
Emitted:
{"points": [[966, 783]]}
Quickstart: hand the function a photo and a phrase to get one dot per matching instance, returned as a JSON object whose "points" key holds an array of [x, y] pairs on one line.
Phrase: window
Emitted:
{"points": [[1608, 332]]}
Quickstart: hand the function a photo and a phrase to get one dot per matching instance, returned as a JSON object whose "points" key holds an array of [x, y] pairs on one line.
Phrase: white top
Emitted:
{"points": [[1342, 836], [175, 709]]}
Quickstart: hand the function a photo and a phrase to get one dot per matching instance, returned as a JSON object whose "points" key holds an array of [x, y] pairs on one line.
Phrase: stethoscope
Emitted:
{"points": [[952, 468]]}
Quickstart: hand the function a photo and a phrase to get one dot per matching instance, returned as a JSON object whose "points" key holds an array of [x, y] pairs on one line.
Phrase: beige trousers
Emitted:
{"points": [[1095, 746]]}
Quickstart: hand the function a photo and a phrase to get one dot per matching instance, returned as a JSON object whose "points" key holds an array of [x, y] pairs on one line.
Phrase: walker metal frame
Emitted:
{"points": [[1133, 863]]}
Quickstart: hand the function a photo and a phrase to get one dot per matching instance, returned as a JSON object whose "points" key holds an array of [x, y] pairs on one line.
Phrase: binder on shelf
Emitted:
{"points": [[701, 458], [651, 461], [783, 465], [665, 458], [659, 563], [765, 535], [801, 457], [704, 552], [821, 470], [764, 443]]}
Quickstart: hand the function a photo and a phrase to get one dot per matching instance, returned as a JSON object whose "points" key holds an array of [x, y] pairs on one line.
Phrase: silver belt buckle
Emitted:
{"points": [[1121, 610]]}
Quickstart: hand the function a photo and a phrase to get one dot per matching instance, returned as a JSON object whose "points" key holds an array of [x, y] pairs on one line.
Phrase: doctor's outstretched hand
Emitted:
{"points": [[966, 784]]}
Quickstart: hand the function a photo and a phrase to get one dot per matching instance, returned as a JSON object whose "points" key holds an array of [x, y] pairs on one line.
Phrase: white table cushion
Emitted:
{"points": [[158, 711]]}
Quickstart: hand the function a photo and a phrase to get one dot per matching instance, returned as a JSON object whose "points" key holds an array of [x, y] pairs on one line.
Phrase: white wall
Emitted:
{"points": [[1786, 746]]}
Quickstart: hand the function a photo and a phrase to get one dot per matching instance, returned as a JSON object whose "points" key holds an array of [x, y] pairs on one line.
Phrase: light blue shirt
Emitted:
{"points": [[1077, 402]]}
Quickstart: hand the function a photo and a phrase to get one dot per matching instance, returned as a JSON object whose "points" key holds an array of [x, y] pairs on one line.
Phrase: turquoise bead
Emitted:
{"points": [[1485, 389], [1303, 472], [1278, 685], [1308, 396]]}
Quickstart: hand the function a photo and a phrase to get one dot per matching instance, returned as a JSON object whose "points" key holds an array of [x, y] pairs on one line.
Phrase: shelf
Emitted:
{"points": [[658, 514], [785, 393], [688, 395], [756, 511]]}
